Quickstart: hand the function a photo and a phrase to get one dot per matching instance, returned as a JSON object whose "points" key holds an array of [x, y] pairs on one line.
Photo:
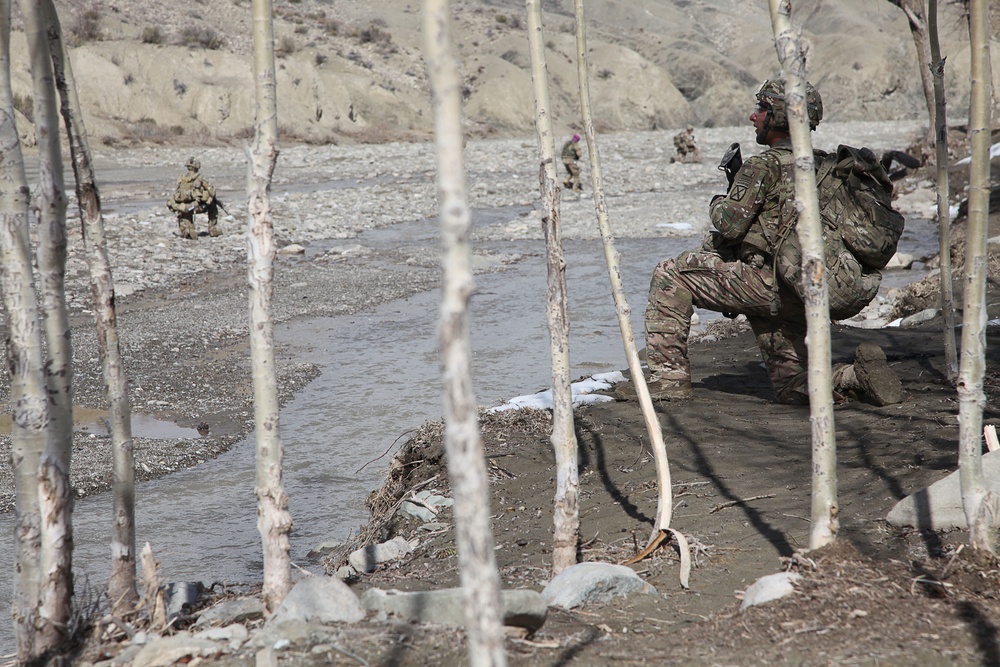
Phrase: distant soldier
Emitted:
{"points": [[194, 194], [687, 149], [570, 155]]}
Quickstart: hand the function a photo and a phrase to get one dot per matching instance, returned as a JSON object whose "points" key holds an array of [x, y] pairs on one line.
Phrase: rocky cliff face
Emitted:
{"points": [[180, 71]]}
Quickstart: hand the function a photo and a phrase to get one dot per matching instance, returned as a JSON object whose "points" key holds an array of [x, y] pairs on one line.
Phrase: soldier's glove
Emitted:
{"points": [[754, 259], [715, 242]]}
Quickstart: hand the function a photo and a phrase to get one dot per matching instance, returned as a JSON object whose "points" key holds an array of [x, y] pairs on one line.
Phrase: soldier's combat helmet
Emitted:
{"points": [[193, 164], [772, 97]]}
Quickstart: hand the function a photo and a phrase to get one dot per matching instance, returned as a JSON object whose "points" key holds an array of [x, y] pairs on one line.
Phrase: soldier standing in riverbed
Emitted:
{"points": [[194, 194], [570, 156]]}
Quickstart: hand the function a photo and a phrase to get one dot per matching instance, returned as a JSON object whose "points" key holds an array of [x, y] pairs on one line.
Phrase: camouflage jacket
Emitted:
{"points": [[751, 213], [684, 142], [571, 151]]}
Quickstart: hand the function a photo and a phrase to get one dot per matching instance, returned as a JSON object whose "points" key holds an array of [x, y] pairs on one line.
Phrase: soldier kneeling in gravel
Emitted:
{"points": [[686, 147], [194, 194], [750, 263]]}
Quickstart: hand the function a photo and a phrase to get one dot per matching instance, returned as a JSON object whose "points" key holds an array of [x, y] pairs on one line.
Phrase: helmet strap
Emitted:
{"points": [[766, 127]]}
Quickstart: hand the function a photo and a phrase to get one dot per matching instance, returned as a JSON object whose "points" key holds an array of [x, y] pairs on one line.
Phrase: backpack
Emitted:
{"points": [[860, 228], [855, 191], [185, 190]]}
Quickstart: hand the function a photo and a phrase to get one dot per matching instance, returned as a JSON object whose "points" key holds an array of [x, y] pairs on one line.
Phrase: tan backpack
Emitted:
{"points": [[860, 228]]}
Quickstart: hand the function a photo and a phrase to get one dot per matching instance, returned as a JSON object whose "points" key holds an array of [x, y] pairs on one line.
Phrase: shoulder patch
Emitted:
{"points": [[741, 186]]}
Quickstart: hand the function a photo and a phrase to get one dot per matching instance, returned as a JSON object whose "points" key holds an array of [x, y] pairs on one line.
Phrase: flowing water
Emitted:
{"points": [[339, 431], [379, 379]]}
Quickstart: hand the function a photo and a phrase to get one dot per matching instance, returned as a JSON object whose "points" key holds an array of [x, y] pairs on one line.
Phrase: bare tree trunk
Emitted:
{"points": [[566, 517], [56, 499], [466, 464], [914, 10], [825, 523], [664, 504], [121, 583], [29, 408], [273, 520], [981, 506], [152, 590], [943, 204]]}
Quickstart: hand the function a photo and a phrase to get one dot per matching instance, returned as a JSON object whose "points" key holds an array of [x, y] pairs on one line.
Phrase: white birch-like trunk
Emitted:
{"points": [[566, 516], [29, 408], [943, 204], [56, 499], [274, 523], [664, 501], [914, 10], [121, 583], [981, 506], [463, 447], [825, 522]]}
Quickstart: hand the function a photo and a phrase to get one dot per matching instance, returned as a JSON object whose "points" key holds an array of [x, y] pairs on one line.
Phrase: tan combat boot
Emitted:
{"points": [[660, 388], [872, 376]]}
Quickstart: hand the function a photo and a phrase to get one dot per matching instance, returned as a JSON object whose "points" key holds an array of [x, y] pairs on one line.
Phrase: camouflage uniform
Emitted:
{"points": [[194, 194], [732, 274], [687, 149], [570, 155]]}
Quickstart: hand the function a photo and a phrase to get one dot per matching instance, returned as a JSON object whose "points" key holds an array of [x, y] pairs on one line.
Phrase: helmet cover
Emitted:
{"points": [[772, 96]]}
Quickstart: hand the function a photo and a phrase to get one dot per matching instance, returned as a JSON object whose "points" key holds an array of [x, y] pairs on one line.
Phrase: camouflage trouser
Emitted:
{"points": [[687, 154], [185, 220], [572, 175], [706, 280]]}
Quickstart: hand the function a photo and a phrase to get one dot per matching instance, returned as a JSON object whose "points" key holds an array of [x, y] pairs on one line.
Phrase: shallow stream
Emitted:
{"points": [[339, 432]]}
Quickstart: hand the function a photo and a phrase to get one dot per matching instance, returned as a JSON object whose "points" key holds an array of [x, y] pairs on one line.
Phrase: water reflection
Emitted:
{"points": [[95, 422]]}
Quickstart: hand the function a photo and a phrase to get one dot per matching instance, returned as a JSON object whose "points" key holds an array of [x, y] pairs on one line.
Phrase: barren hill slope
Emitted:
{"points": [[180, 71]]}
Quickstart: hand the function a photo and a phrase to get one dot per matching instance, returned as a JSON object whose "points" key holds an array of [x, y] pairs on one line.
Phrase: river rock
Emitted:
{"points": [[239, 610], [368, 558], [234, 635], [770, 587], [593, 582], [916, 318], [319, 600], [426, 508], [266, 657], [939, 506], [521, 607], [168, 650], [282, 634], [124, 659], [900, 260], [323, 548]]}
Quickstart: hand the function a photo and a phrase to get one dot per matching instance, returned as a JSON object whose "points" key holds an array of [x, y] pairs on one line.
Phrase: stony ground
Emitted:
{"points": [[740, 462], [181, 305]]}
